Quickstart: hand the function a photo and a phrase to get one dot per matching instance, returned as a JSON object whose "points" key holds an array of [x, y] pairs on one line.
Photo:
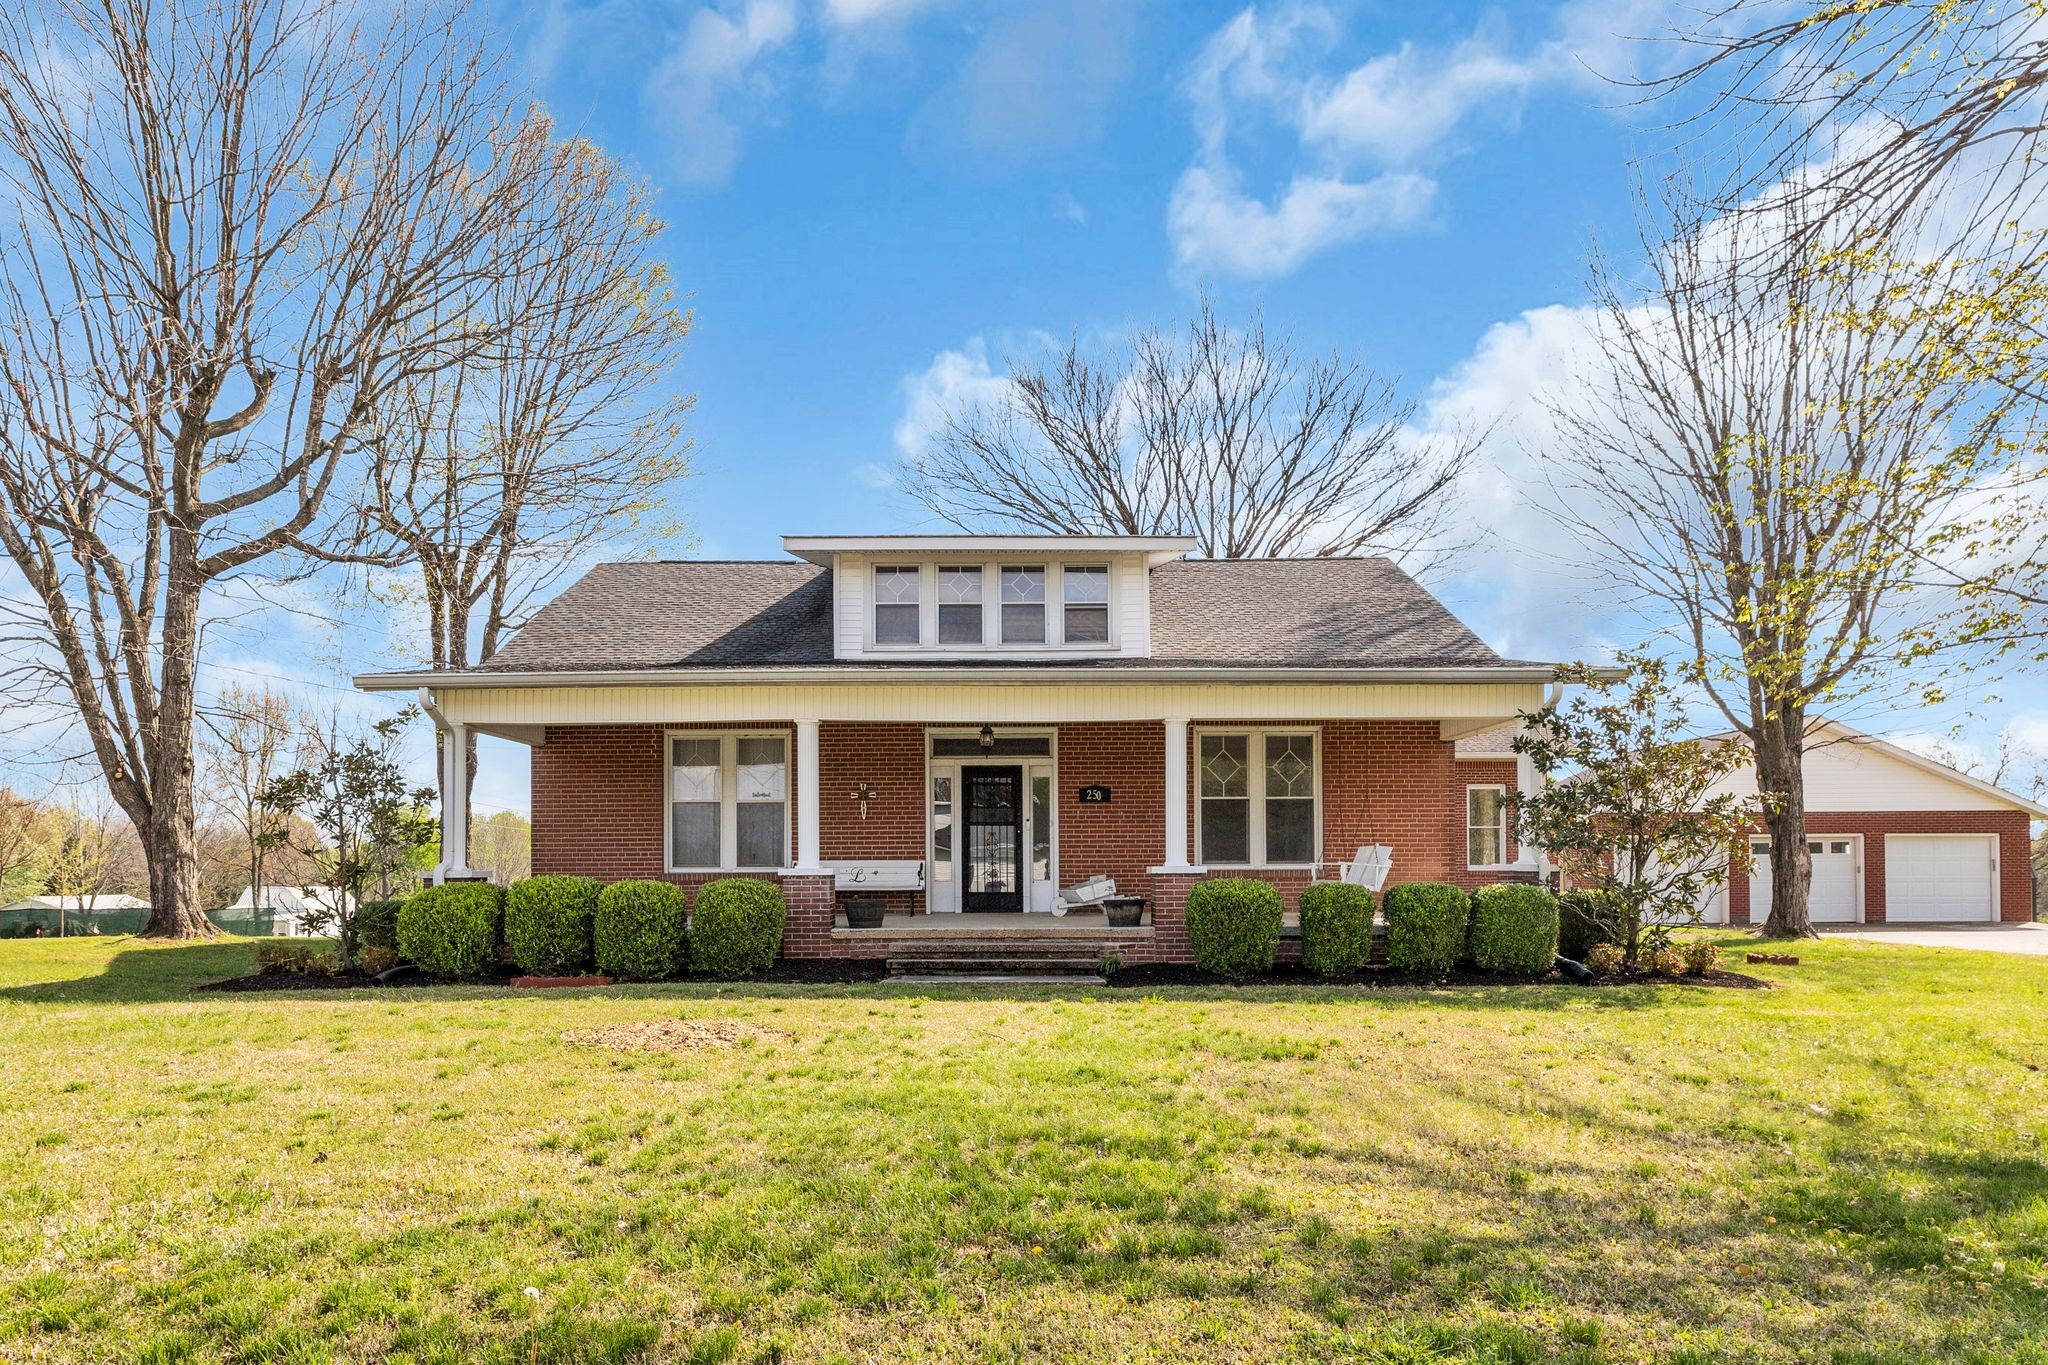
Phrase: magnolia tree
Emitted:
{"points": [[1629, 807], [365, 822]]}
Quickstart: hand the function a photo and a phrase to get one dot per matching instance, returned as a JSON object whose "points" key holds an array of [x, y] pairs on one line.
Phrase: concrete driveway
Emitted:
{"points": [[2030, 940]]}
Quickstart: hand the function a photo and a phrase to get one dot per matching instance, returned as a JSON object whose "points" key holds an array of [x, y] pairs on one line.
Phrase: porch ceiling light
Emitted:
{"points": [[988, 740]]}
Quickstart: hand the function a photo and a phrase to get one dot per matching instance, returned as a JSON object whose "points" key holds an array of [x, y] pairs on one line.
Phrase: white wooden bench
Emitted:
{"points": [[878, 874]]}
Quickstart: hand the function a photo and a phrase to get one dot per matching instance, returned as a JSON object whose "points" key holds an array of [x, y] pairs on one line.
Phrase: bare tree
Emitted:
{"points": [[1745, 466], [239, 226], [1225, 434], [501, 844], [492, 480], [253, 735], [84, 858]]}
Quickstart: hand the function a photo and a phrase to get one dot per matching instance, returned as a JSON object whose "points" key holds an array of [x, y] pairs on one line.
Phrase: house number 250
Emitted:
{"points": [[1094, 796]]}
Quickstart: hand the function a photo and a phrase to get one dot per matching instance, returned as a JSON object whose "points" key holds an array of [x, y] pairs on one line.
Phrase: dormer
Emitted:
{"points": [[903, 598]]}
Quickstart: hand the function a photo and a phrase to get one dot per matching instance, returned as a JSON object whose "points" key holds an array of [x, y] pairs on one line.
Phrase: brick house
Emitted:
{"points": [[975, 722]]}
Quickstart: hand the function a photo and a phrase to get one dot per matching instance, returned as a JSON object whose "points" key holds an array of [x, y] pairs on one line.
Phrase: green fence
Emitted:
{"points": [[77, 923]]}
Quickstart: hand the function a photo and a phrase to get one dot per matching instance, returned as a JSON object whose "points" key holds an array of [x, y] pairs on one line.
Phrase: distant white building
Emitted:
{"points": [[290, 907], [71, 904]]}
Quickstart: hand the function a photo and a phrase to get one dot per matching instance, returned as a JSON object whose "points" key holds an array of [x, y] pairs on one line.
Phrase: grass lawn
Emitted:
{"points": [[1849, 1168]]}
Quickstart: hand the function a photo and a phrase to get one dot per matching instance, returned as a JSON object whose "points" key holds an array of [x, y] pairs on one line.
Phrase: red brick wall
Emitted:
{"points": [[2016, 891], [599, 802]]}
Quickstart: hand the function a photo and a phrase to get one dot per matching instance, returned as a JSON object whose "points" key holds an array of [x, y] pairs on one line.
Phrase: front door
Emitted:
{"points": [[993, 876]]}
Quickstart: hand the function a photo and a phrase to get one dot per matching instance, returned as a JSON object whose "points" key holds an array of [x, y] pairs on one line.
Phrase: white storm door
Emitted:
{"points": [[1931, 878]]}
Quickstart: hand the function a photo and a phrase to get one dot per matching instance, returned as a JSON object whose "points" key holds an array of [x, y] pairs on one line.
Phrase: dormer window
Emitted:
{"points": [[1023, 604], [960, 604], [1087, 603], [896, 605]]}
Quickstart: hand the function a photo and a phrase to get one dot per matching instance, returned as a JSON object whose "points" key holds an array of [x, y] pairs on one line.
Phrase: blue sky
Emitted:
{"points": [[872, 202]]}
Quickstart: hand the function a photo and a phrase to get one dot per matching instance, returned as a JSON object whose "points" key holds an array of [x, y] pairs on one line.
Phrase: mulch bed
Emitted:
{"points": [[1294, 974], [806, 972]]}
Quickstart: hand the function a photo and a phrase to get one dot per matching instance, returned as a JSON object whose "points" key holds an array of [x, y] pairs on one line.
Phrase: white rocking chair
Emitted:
{"points": [[1368, 867]]}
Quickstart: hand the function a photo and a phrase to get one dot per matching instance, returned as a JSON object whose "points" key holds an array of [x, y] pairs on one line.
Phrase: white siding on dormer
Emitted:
{"points": [[1130, 603], [1845, 776]]}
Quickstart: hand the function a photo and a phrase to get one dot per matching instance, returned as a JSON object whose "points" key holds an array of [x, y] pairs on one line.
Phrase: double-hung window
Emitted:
{"points": [[1023, 604], [896, 605], [728, 801], [1258, 797], [960, 604], [1486, 826], [1086, 590]]}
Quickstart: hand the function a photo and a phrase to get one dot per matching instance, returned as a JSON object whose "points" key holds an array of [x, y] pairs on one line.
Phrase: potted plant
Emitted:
{"points": [[1124, 912], [864, 912]]}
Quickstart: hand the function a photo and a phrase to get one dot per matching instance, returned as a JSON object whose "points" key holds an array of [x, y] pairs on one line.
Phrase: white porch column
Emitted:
{"points": [[455, 802], [807, 797], [1176, 859]]}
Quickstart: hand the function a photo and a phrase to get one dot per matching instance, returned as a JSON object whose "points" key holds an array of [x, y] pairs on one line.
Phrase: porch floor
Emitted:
{"points": [[1079, 924]]}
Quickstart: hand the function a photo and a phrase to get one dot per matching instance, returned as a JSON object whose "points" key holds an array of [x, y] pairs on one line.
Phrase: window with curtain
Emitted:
{"points": [[1486, 820], [1257, 798], [728, 801]]}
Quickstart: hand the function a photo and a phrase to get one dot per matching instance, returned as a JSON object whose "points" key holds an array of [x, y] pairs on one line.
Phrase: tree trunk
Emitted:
{"points": [[1781, 778], [173, 852]]}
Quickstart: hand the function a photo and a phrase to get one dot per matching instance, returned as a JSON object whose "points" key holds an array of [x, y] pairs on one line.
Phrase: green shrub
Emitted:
{"points": [[1514, 928], [1585, 918], [642, 930], [1426, 926], [737, 927], [1603, 958], [1234, 925], [374, 961], [548, 924], [452, 930], [1666, 962], [377, 924], [1336, 927], [1702, 956]]}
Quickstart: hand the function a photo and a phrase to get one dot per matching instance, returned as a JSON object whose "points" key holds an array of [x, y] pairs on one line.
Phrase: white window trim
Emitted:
{"points": [[992, 608], [728, 798], [1255, 789], [1505, 832]]}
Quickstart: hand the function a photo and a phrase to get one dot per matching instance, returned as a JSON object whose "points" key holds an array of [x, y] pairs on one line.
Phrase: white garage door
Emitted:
{"points": [[1939, 877], [1837, 869]]}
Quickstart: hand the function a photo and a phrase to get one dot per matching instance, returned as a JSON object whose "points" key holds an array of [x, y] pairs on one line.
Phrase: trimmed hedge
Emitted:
{"points": [[548, 924], [1585, 918], [641, 930], [1234, 925], [1514, 928], [1336, 927], [1426, 926], [736, 928], [377, 924], [453, 929]]}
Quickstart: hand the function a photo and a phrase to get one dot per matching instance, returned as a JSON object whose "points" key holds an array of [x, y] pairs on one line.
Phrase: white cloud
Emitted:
{"points": [[1214, 226], [1364, 137], [853, 13], [713, 65], [954, 380]]}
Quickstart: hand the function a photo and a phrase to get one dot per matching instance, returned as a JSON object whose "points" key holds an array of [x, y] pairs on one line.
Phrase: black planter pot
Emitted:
{"points": [[864, 912], [1125, 915]]}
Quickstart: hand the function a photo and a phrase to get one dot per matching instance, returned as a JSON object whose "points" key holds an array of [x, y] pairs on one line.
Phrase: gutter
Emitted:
{"points": [[829, 673]]}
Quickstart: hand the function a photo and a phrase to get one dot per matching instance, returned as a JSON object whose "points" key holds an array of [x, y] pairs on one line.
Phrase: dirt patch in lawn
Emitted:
{"points": [[1294, 974], [669, 1035]]}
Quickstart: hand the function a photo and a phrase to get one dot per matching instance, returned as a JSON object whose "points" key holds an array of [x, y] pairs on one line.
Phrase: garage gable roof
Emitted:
{"points": [[1836, 732]]}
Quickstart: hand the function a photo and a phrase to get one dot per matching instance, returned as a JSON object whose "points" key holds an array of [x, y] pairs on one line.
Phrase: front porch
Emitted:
{"points": [[994, 820]]}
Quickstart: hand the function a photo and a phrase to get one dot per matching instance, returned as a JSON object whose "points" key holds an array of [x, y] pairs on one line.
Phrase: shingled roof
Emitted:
{"points": [[1261, 613]]}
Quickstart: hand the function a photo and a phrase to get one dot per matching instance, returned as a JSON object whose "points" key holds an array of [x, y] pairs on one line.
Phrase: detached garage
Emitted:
{"points": [[1897, 838]]}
